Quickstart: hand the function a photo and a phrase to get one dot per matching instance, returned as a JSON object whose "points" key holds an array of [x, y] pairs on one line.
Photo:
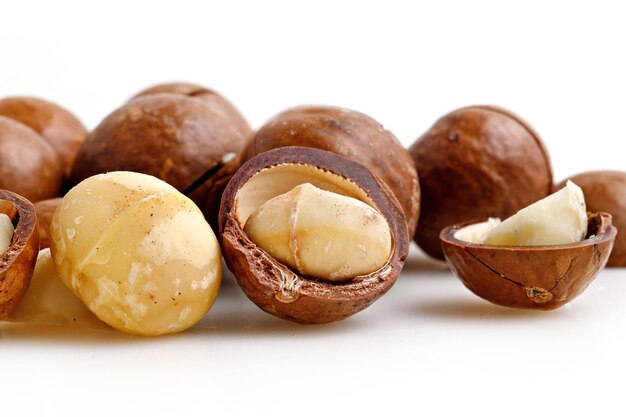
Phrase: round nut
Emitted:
{"points": [[477, 162], [28, 164], [137, 252], [215, 101], [63, 131], [605, 191], [45, 210], [272, 285], [534, 277], [352, 135], [175, 138], [17, 263]]}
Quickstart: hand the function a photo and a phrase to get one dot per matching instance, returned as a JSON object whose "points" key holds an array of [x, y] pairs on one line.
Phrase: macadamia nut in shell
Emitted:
{"points": [[137, 252]]}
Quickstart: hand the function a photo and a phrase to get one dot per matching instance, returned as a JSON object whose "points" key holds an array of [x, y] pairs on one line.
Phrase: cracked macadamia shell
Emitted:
{"points": [[477, 162], [63, 131], [352, 135], [29, 166], [272, 285], [605, 191], [175, 138], [18, 262], [137, 252], [533, 277]]}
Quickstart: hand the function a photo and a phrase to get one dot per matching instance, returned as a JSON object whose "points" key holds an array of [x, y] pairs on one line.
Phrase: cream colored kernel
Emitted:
{"points": [[138, 244], [158, 247]]}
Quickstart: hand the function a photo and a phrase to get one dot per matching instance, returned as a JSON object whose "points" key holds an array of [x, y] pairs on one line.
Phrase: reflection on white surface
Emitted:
{"points": [[428, 334]]}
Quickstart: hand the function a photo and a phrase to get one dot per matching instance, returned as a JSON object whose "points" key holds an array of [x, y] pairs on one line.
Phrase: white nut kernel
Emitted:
{"points": [[138, 247], [558, 219], [321, 234]]}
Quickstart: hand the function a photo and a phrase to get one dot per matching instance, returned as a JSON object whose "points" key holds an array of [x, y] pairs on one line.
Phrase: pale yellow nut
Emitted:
{"points": [[560, 218], [321, 234], [6, 232], [137, 252], [48, 301]]}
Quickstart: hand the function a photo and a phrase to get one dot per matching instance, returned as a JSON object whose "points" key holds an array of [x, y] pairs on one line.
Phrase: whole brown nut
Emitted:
{"points": [[272, 285], [45, 211], [175, 138], [215, 101], [28, 164], [606, 191], [475, 162], [350, 134], [58, 126], [534, 277], [18, 262]]}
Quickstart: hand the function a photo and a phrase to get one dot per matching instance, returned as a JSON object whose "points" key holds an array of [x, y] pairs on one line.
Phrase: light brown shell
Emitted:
{"points": [[173, 137], [45, 211], [534, 277], [63, 131], [606, 191], [280, 291], [28, 164], [352, 135], [18, 262], [475, 162]]}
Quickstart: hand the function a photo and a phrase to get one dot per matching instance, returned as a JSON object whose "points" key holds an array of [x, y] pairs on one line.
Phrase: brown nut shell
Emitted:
{"points": [[175, 138], [28, 164], [273, 286], [18, 262], [606, 191], [475, 162], [352, 135], [533, 277], [45, 211], [215, 101], [58, 126]]}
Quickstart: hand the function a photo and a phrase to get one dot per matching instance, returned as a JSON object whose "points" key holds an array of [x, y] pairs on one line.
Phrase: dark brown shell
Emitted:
{"points": [[277, 289], [172, 137], [350, 134], [215, 101], [476, 162], [28, 164], [534, 277], [45, 211], [18, 262], [63, 131], [605, 191]]}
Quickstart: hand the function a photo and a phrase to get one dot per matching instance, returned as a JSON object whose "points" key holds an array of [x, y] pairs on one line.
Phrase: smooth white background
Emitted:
{"points": [[429, 347]]}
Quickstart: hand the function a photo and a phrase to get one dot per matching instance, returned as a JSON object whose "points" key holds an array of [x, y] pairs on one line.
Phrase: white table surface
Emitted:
{"points": [[428, 344]]}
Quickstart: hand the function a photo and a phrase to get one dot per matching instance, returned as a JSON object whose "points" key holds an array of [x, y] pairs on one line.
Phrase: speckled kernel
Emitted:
{"points": [[142, 257]]}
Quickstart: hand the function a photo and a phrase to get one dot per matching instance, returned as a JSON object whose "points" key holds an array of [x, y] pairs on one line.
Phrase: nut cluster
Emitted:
{"points": [[313, 212]]}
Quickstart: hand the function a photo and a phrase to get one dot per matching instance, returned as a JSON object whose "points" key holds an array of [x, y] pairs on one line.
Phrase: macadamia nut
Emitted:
{"points": [[321, 234], [137, 252]]}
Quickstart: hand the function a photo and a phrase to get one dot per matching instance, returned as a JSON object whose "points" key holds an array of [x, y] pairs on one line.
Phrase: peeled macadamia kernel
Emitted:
{"points": [[321, 234], [48, 301], [477, 233], [6, 232], [557, 219], [137, 252]]}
